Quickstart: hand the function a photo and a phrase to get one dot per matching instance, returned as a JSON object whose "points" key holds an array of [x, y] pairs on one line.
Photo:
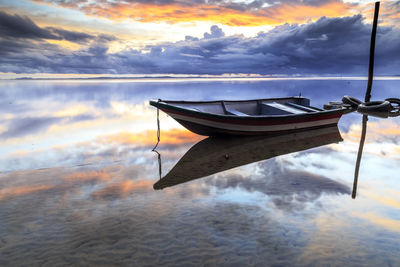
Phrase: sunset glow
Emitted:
{"points": [[223, 14], [97, 169], [209, 37]]}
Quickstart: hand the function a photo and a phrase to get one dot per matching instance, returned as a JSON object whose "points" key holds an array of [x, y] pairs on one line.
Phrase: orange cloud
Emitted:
{"points": [[122, 189], [375, 131], [238, 15], [109, 178], [302, 13], [376, 219], [89, 176], [391, 201], [68, 181], [389, 12], [22, 190], [148, 138]]}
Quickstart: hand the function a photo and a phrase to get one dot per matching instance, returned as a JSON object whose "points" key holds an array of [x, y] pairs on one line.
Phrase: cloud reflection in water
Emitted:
{"points": [[76, 193], [287, 187]]}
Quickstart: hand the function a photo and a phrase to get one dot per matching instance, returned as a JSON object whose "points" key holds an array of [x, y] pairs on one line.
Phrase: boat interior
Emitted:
{"points": [[252, 108]]}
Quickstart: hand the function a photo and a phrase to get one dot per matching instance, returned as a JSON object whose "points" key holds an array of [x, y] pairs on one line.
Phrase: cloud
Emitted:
{"points": [[389, 12], [377, 132], [172, 137], [22, 27], [216, 32], [122, 189], [19, 127], [28, 125], [289, 189], [16, 26], [389, 200], [382, 139], [71, 36], [233, 13], [6, 193], [102, 150], [329, 46], [380, 221], [93, 176], [26, 47], [81, 117]]}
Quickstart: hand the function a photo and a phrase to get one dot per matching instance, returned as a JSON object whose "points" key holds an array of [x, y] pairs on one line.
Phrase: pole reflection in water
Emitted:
{"points": [[216, 154], [362, 141], [360, 150]]}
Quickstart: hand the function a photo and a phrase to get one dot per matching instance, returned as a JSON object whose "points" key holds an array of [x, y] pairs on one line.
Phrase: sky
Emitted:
{"points": [[201, 37]]}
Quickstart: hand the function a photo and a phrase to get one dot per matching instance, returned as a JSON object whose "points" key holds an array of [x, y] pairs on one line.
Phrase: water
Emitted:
{"points": [[77, 175]]}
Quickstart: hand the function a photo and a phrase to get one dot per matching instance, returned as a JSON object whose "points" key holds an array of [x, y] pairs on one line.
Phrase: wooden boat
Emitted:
{"points": [[216, 154], [249, 117]]}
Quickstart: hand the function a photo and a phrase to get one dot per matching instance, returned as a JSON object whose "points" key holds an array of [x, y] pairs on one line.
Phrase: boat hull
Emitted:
{"points": [[209, 127], [213, 131], [209, 124], [249, 126]]}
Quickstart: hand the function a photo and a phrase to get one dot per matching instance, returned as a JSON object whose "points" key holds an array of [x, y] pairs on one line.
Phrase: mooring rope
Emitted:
{"points": [[158, 126], [158, 138], [395, 103], [390, 107]]}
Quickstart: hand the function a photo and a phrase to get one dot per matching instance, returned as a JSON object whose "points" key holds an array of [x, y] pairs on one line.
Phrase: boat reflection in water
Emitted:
{"points": [[216, 154]]}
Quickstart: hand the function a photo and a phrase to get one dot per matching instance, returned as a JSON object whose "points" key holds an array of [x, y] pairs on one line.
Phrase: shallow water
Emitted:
{"points": [[77, 175]]}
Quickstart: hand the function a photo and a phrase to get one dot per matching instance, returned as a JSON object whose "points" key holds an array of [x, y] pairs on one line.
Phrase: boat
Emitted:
{"points": [[249, 117], [217, 154]]}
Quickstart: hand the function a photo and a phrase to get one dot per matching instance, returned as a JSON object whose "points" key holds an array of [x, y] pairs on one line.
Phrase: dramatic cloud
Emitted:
{"points": [[27, 47], [71, 36], [337, 46], [23, 27], [233, 13]]}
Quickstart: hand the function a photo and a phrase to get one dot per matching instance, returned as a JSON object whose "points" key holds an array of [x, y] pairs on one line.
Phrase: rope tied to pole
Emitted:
{"points": [[390, 107], [158, 138], [158, 126]]}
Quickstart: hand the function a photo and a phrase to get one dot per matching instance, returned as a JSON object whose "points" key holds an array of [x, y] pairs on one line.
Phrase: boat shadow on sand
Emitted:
{"points": [[217, 154]]}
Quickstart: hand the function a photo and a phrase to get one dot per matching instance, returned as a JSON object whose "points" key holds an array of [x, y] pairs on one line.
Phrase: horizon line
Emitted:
{"points": [[144, 77]]}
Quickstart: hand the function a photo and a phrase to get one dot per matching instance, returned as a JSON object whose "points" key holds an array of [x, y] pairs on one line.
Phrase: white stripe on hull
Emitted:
{"points": [[255, 128]]}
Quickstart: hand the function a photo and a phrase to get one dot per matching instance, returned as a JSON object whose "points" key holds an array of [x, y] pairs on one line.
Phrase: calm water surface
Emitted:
{"points": [[77, 176]]}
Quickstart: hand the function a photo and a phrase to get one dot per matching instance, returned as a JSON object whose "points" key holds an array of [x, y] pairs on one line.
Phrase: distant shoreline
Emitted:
{"points": [[199, 78]]}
